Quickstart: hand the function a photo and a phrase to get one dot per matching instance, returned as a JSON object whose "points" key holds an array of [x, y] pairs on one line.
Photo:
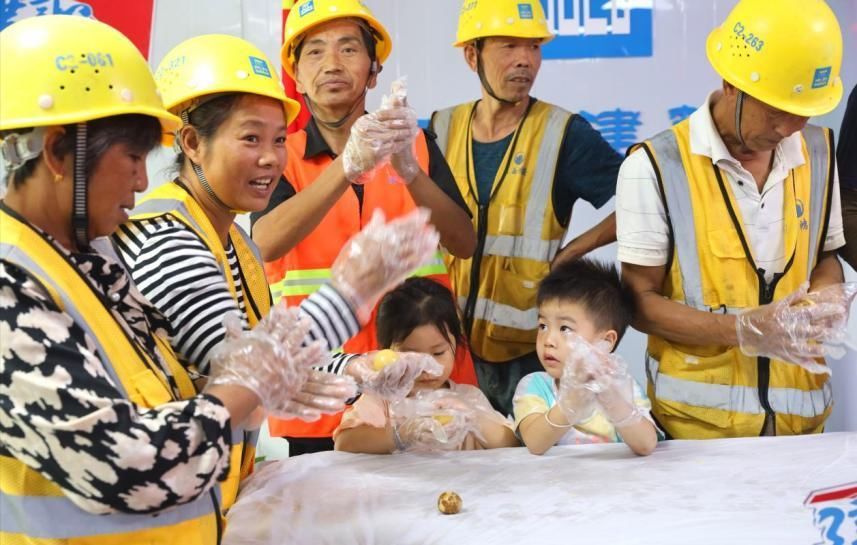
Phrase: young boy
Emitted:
{"points": [[585, 394]]}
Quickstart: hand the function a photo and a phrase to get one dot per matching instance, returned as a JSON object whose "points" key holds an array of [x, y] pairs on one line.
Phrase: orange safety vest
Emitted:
{"points": [[305, 268]]}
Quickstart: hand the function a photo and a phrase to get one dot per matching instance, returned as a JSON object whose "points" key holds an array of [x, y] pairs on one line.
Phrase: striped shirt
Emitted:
{"points": [[175, 270]]}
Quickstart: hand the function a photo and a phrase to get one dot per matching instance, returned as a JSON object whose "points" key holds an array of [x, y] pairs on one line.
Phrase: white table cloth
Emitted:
{"points": [[730, 491]]}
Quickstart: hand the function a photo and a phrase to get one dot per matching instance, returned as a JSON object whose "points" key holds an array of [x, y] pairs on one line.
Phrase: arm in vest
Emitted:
{"points": [[65, 417]]}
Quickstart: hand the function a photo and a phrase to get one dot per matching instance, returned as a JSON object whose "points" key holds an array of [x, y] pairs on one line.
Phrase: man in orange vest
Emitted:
{"points": [[334, 50]]}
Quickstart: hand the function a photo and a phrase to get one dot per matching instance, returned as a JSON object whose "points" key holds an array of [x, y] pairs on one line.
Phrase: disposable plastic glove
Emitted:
{"points": [[272, 361], [800, 327], [374, 138], [433, 420], [381, 256], [394, 380], [403, 159]]}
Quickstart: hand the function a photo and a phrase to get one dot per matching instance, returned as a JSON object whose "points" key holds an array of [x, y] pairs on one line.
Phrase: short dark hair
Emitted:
{"points": [[417, 302], [596, 287], [366, 32], [139, 132], [208, 117]]}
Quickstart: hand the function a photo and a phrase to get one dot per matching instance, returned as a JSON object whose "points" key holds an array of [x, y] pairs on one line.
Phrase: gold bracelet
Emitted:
{"points": [[560, 426]]}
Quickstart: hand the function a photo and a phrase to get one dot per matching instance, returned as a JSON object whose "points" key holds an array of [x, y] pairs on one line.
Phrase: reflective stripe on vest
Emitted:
{"points": [[710, 391], [522, 235], [308, 281], [742, 399], [36, 507]]}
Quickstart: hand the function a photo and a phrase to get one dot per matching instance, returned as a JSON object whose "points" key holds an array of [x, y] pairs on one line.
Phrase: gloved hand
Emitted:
{"points": [[404, 158], [381, 256], [272, 361], [374, 138], [396, 378], [796, 328], [575, 400], [433, 420]]}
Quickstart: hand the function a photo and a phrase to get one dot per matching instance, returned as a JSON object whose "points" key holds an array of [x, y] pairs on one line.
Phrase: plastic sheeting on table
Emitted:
{"points": [[687, 492]]}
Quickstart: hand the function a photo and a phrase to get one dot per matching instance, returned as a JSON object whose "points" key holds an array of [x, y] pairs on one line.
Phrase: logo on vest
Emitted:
{"points": [[799, 209], [599, 29], [834, 513], [518, 166]]}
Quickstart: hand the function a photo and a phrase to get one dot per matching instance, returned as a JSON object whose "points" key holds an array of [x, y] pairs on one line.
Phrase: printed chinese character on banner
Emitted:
{"points": [[618, 127], [680, 113], [599, 28]]}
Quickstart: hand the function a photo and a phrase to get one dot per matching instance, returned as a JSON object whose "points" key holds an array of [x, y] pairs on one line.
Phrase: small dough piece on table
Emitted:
{"points": [[449, 503]]}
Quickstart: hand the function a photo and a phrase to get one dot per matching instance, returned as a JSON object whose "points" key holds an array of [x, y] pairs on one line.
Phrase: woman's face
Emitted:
{"points": [[244, 158], [118, 175], [428, 339]]}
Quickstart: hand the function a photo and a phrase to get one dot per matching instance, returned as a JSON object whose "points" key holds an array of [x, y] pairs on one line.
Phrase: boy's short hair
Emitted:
{"points": [[596, 287]]}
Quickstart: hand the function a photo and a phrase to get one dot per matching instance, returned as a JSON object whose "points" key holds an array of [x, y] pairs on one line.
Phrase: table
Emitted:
{"points": [[752, 490]]}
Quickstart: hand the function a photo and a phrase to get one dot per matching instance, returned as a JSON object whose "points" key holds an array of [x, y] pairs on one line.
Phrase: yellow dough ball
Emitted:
{"points": [[384, 358], [449, 503], [443, 419]]}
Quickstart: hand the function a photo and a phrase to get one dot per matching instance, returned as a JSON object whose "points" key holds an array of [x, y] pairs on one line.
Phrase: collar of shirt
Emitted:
{"points": [[705, 140], [316, 145]]}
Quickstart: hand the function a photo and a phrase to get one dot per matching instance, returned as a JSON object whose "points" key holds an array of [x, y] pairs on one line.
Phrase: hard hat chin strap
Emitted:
{"points": [[480, 70], [79, 214], [739, 110], [200, 175], [341, 121]]}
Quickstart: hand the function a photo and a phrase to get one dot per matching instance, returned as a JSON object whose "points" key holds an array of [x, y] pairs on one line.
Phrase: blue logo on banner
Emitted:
{"points": [[680, 113], [260, 67], [525, 11], [821, 77], [13, 11], [309, 7], [599, 28]]}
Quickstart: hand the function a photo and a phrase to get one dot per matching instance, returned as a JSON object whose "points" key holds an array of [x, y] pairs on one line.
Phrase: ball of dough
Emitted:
{"points": [[449, 503], [384, 358], [443, 419]]}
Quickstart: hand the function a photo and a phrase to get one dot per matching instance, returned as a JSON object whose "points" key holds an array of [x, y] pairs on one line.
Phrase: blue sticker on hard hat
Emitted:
{"points": [[525, 11], [821, 77], [260, 67], [309, 7]]}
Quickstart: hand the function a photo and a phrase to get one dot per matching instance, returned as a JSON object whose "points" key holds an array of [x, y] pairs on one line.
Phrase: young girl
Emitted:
{"points": [[421, 316]]}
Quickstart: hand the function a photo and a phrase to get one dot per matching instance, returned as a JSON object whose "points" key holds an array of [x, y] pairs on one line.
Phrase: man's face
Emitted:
{"points": [[334, 65], [763, 126], [510, 64]]}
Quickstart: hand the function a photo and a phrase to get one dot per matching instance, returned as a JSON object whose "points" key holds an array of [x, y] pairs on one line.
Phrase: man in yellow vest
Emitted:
{"points": [[723, 218], [521, 164], [335, 49]]}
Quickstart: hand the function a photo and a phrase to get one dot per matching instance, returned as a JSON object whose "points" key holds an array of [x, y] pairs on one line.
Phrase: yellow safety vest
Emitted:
{"points": [[517, 231], [702, 392], [172, 199], [34, 510]]}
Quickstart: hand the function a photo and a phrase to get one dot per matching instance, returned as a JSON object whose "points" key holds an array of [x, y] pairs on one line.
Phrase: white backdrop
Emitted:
{"points": [[627, 97]]}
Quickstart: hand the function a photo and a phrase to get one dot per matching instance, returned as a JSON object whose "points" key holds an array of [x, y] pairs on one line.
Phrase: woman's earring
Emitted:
{"points": [[58, 178]]}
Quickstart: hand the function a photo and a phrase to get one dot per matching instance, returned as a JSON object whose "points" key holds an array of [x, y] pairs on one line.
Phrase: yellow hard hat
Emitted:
{"points": [[787, 55], [307, 14], [62, 69], [216, 63], [513, 18]]}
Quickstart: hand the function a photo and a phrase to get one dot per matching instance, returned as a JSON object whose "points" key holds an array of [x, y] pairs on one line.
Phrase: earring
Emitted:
{"points": [[58, 178]]}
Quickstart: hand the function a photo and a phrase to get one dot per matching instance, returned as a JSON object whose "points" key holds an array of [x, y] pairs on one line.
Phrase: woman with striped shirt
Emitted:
{"points": [[182, 245]]}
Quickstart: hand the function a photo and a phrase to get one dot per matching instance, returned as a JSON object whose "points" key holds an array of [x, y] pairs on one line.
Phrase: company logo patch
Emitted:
{"points": [[309, 7], [799, 207], [821, 77], [525, 11], [260, 67]]}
